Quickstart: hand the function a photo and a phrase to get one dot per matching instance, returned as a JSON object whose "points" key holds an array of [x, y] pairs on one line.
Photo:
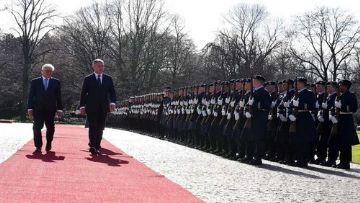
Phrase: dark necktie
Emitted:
{"points": [[98, 80]]}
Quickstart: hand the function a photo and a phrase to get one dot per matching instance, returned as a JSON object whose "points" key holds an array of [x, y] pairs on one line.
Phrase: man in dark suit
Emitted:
{"points": [[43, 103], [97, 99]]}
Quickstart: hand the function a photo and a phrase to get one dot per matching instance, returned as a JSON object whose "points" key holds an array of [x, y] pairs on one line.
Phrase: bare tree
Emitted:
{"points": [[249, 41], [33, 22], [86, 34], [325, 40]]}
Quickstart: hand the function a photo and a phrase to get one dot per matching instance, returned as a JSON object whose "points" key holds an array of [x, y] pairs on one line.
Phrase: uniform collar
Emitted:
{"points": [[301, 90], [255, 89]]}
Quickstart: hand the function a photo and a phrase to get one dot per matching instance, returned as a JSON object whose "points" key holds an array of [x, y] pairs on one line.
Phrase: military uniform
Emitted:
{"points": [[301, 139], [282, 136], [343, 134]]}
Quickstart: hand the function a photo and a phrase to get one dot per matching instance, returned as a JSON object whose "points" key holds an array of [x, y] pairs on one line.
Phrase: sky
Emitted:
{"points": [[203, 18]]}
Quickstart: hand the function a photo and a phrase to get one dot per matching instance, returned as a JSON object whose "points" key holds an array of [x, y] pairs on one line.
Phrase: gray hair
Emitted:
{"points": [[98, 61], [48, 65]]}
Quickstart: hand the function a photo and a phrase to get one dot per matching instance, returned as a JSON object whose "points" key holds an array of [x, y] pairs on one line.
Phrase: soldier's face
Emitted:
{"points": [[211, 89], [280, 87], [343, 88], [285, 86], [247, 86], [319, 88], [330, 89], [300, 85], [271, 88]]}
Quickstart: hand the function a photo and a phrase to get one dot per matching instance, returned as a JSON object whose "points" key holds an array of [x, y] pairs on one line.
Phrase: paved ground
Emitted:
{"points": [[215, 179], [12, 138]]}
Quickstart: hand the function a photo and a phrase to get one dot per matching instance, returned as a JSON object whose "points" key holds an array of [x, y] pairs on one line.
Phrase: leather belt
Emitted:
{"points": [[303, 111], [345, 113]]}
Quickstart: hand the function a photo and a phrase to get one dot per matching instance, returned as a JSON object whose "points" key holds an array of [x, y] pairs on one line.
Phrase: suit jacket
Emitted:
{"points": [[96, 98], [41, 100]]}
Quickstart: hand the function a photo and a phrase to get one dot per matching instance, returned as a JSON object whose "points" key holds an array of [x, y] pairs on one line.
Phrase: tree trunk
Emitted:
{"points": [[25, 87]]}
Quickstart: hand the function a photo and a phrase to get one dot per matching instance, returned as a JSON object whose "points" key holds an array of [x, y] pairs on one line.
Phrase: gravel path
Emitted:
{"points": [[215, 179], [13, 137]]}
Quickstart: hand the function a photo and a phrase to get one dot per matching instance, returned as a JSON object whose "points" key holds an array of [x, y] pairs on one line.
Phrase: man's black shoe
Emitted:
{"points": [[245, 160], [328, 163], [343, 166], [256, 162], [93, 151], [301, 164], [37, 151], [98, 152]]}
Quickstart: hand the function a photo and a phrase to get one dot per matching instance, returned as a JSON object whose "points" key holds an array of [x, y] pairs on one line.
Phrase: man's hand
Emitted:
{"points": [[59, 113], [82, 111], [112, 107], [30, 114]]}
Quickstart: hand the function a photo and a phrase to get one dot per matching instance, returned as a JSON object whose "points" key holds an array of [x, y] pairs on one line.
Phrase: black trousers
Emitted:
{"points": [[41, 117], [345, 153], [96, 127]]}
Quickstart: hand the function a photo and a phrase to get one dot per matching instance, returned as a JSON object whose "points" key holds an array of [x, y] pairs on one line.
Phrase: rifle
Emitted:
{"points": [[238, 108], [320, 127], [248, 122], [204, 107], [292, 128], [334, 128]]}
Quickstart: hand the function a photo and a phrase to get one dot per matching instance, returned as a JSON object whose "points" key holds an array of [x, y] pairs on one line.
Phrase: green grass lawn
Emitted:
{"points": [[356, 152]]}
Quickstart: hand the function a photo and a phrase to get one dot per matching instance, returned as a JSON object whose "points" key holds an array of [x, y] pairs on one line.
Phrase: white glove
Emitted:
{"points": [[241, 103], [228, 116], [295, 102], [208, 111], [215, 113], [248, 115], [237, 116], [223, 112], [227, 100], [203, 113], [273, 104], [324, 105], [317, 105], [292, 118], [338, 104], [220, 102], [198, 111], [333, 119], [320, 118], [232, 104], [251, 101], [270, 117], [283, 118], [286, 104]]}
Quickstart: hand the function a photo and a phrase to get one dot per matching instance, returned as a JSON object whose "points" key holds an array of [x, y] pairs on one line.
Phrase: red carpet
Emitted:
{"points": [[70, 174]]}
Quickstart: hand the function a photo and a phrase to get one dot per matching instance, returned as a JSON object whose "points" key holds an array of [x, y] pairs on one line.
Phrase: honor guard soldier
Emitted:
{"points": [[282, 135], [273, 121], [257, 114], [302, 129], [343, 133]]}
